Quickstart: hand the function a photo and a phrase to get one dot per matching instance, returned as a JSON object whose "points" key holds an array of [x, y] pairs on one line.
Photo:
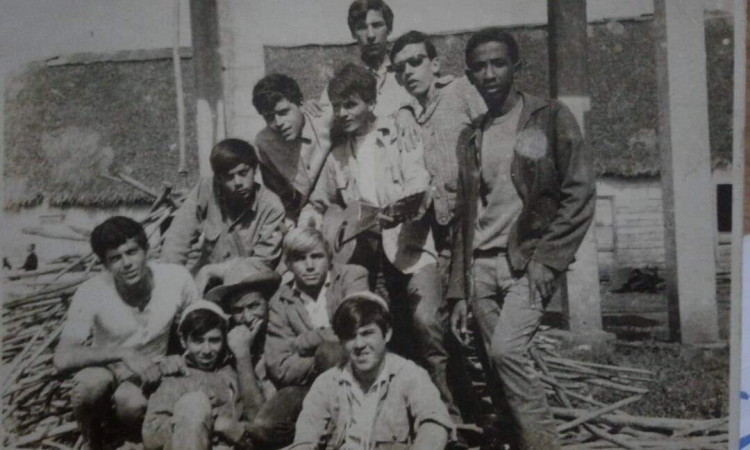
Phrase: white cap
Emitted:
{"points": [[203, 304]]}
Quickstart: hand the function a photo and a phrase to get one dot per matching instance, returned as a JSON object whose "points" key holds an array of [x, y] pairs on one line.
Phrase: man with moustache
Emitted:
{"points": [[293, 145], [128, 312], [527, 184], [238, 220]]}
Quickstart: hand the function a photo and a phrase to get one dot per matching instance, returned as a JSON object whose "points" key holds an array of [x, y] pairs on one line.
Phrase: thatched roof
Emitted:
{"points": [[66, 125]]}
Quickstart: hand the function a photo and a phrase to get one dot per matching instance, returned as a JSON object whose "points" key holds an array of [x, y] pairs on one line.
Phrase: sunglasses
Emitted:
{"points": [[414, 61]]}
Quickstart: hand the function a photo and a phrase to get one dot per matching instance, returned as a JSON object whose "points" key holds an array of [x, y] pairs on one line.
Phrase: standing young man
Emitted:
{"points": [[527, 184], [377, 398], [128, 312], [293, 146], [369, 168], [238, 219]]}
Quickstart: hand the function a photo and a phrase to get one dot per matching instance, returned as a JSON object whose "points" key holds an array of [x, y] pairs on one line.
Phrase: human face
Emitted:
{"points": [[286, 120], [415, 70], [204, 350], [248, 308], [492, 72], [353, 114], [310, 269], [366, 351], [238, 182], [127, 264], [372, 35]]}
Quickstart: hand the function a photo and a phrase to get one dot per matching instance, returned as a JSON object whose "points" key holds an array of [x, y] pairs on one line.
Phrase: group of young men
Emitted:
{"points": [[240, 350]]}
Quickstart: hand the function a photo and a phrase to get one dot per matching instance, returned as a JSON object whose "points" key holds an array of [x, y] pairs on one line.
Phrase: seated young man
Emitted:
{"points": [[377, 399], [293, 146], [301, 343], [128, 312], [202, 407], [239, 220]]}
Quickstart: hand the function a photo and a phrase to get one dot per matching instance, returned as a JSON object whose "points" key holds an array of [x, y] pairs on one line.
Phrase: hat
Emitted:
{"points": [[203, 304], [367, 295], [264, 281]]}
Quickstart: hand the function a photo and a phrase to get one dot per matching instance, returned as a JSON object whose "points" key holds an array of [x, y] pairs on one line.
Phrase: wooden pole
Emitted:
{"points": [[182, 166]]}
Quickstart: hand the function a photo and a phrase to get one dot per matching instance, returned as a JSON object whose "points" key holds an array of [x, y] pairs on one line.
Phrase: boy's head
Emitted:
{"points": [[245, 298], [121, 245], [362, 323], [277, 98], [353, 93], [370, 22], [415, 63], [202, 331], [492, 61], [308, 256], [233, 162]]}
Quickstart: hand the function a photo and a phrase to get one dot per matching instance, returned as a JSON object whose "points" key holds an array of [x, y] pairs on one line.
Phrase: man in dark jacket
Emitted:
{"points": [[527, 183]]}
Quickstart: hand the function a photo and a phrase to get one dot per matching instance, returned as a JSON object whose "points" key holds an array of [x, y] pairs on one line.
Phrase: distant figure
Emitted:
{"points": [[6, 264], [32, 262]]}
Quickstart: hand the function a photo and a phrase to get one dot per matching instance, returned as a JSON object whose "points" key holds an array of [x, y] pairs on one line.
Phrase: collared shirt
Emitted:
{"points": [[452, 107], [98, 311], [409, 246], [317, 307], [407, 399], [251, 241], [363, 406], [289, 168]]}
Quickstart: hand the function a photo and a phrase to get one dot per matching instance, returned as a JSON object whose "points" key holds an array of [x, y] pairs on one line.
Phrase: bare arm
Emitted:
{"points": [[70, 357]]}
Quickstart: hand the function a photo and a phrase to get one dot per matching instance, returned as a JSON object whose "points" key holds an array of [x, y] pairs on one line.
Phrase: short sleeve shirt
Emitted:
{"points": [[98, 311]]}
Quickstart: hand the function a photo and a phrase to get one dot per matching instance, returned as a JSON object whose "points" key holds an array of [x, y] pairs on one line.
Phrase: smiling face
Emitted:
{"points": [[353, 114], [366, 351], [248, 308], [286, 120], [311, 268], [415, 70], [238, 182], [492, 71], [204, 349], [371, 35], [127, 264]]}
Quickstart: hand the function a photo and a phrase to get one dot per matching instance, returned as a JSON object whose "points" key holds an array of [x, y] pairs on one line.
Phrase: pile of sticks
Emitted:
{"points": [[36, 400], [586, 423]]}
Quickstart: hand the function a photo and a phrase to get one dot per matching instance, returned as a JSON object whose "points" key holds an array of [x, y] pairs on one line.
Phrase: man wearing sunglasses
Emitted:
{"points": [[527, 185]]}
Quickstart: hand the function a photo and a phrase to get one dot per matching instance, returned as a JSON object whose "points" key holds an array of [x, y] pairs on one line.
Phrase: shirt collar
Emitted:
{"points": [[347, 375], [307, 135]]}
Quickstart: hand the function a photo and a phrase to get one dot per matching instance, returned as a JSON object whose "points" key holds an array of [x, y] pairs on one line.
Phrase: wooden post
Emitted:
{"points": [[686, 171], [581, 302], [209, 90]]}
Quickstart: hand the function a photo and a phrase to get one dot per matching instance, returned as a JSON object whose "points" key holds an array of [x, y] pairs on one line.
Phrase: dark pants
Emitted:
{"points": [[508, 313]]}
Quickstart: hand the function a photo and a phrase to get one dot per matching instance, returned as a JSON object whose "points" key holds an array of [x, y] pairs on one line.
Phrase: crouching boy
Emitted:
{"points": [[204, 407], [377, 399]]}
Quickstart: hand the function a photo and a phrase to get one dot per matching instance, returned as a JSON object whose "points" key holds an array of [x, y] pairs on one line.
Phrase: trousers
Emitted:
{"points": [[508, 313]]}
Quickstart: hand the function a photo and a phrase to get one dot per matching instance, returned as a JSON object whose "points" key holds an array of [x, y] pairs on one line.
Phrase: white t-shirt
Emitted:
{"points": [[98, 311]]}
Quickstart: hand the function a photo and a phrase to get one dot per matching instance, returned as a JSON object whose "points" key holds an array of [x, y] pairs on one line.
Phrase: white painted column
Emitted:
{"points": [[686, 171]]}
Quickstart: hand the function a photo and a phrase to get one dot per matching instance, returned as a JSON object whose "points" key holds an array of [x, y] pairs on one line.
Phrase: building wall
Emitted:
{"points": [[629, 225]]}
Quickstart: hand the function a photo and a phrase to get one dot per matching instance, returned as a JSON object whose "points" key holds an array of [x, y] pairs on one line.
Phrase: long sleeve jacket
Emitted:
{"points": [[252, 242], [552, 171], [292, 339]]}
